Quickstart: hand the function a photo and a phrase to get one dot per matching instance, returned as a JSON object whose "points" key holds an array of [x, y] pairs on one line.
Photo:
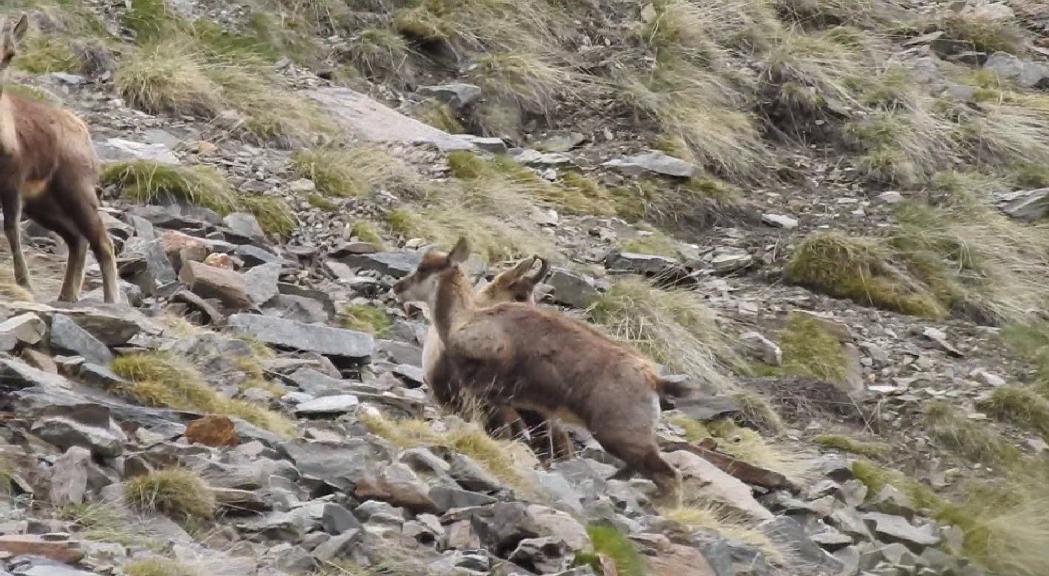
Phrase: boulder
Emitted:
{"points": [[703, 479], [654, 162], [323, 340], [207, 281], [68, 337]]}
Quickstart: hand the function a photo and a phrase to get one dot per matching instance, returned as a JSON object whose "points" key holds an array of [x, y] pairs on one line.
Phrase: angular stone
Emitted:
{"points": [[760, 347], [26, 328], [572, 289], [66, 551], [448, 498], [212, 430], [779, 221], [338, 464], [1026, 205], [69, 476], [210, 282], [544, 554], [646, 264], [323, 340], [898, 529], [367, 118], [707, 408], [328, 405], [455, 94], [336, 546], [1025, 73], [398, 485], [560, 141], [655, 162], [396, 264], [119, 149], [245, 225], [790, 535], [68, 337], [560, 525], [503, 525], [703, 479], [262, 282], [254, 256], [491, 144], [316, 383], [87, 425]]}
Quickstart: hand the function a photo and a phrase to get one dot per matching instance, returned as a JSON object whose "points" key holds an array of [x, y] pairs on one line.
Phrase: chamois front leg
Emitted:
{"points": [[74, 269], [11, 203]]}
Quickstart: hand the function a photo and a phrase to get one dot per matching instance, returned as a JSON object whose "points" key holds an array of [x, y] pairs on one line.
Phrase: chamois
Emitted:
{"points": [[513, 285], [542, 360], [48, 166]]}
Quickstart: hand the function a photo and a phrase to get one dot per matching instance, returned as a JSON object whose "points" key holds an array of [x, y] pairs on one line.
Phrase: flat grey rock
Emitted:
{"points": [[323, 340], [654, 162]]}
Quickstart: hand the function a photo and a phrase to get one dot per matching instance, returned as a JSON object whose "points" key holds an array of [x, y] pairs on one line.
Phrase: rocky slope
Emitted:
{"points": [[258, 407]]}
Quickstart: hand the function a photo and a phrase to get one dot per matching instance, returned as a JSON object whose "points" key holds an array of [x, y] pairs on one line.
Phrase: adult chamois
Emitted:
{"points": [[48, 168], [547, 438], [537, 359]]}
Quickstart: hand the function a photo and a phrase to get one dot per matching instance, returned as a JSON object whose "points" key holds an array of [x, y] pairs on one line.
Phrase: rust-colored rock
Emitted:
{"points": [[180, 247], [211, 282], [212, 430], [65, 551], [39, 360]]}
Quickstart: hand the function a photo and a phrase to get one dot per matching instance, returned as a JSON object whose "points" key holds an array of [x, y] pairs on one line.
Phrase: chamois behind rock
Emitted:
{"points": [[516, 284], [48, 167], [542, 360]]}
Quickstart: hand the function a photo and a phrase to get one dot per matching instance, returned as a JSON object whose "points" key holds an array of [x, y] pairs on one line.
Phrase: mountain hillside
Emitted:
{"points": [[827, 219]]}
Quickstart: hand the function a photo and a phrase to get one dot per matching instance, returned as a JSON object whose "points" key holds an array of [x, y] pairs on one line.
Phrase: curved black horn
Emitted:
{"points": [[544, 268]]}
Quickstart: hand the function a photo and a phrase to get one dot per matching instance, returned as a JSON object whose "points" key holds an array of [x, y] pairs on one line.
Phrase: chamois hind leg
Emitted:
{"points": [[11, 203], [83, 210], [640, 453], [560, 442], [55, 220], [504, 422]]}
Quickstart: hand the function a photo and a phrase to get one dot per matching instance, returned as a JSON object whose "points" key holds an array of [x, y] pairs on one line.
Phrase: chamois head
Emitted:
{"points": [[421, 285], [515, 284], [10, 36]]}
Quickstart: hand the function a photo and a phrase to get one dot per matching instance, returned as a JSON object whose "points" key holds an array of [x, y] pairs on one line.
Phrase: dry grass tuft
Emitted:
{"points": [[381, 55], [150, 182], [158, 379], [729, 525], [168, 78], [157, 566], [496, 456], [356, 172], [673, 327], [175, 492], [1020, 406], [101, 522], [970, 439], [983, 34]]}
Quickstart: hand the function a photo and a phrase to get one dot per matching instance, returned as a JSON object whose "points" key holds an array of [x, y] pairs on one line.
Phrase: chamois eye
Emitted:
{"points": [[520, 297]]}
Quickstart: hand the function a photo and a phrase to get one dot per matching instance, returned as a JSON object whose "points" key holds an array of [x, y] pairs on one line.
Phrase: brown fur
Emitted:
{"points": [[546, 437], [538, 359], [48, 168]]}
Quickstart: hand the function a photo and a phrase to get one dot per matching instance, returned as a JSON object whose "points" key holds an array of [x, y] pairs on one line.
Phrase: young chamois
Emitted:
{"points": [[537, 359], [48, 167], [514, 285]]}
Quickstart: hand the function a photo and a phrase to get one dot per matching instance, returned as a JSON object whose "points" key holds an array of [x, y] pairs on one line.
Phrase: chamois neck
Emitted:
{"points": [[453, 298]]}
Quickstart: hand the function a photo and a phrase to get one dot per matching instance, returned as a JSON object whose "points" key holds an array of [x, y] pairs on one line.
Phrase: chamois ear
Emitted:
{"points": [[20, 28], [460, 252]]}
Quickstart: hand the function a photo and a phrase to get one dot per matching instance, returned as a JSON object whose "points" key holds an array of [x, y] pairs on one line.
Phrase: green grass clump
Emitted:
{"points": [[972, 440], [157, 566], [1020, 406], [861, 270], [1030, 341], [612, 544], [852, 445], [381, 54], [178, 493], [320, 202], [332, 171], [46, 54], [673, 327], [150, 182], [809, 349], [273, 214], [655, 242], [365, 232], [440, 116], [365, 318], [158, 379]]}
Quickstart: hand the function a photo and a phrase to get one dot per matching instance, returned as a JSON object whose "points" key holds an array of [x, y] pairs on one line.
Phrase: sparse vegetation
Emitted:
{"points": [[440, 115], [1020, 406], [355, 172], [1031, 341], [870, 449], [365, 318], [610, 543], [366, 232], [157, 566], [154, 182], [158, 379], [178, 493], [102, 522], [983, 34], [969, 439], [724, 522], [673, 327], [654, 242], [495, 455], [809, 349]]}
